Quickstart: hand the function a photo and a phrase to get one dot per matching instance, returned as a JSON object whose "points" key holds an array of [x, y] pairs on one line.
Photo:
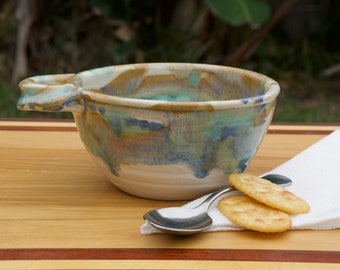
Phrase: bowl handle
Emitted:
{"points": [[50, 93]]}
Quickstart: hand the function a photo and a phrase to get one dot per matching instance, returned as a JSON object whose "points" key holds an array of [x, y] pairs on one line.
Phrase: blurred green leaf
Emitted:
{"points": [[117, 9], [123, 50], [238, 12]]}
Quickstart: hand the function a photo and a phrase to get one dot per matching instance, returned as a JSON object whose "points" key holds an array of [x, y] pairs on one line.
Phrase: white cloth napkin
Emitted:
{"points": [[316, 178]]}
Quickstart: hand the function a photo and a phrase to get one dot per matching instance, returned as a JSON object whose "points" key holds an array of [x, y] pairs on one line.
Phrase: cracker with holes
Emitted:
{"points": [[269, 193], [253, 215]]}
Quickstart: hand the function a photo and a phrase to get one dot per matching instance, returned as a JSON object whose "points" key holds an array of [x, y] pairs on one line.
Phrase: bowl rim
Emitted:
{"points": [[271, 92], [43, 90]]}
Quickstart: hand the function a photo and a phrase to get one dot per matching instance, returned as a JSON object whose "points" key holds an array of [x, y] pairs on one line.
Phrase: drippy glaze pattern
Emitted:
{"points": [[201, 117]]}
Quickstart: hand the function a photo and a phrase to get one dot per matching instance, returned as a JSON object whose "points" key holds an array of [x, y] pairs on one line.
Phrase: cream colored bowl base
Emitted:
{"points": [[164, 182]]}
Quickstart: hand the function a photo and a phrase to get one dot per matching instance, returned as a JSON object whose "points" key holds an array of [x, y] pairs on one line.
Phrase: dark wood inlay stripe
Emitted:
{"points": [[299, 132], [172, 254], [37, 128]]}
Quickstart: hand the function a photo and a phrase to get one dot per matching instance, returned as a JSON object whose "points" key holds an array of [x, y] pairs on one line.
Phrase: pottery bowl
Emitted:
{"points": [[169, 131]]}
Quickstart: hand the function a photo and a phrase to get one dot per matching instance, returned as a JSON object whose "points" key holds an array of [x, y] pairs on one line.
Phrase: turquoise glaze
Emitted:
{"points": [[204, 119]]}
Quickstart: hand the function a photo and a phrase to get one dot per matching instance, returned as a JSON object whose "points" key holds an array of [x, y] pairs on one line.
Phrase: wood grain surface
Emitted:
{"points": [[57, 206]]}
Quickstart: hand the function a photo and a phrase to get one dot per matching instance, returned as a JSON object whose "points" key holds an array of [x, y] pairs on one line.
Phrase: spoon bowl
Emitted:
{"points": [[185, 221]]}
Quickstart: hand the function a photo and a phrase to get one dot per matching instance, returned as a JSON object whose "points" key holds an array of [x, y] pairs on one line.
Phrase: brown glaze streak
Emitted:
{"points": [[185, 107], [250, 82], [171, 254], [121, 80], [153, 82]]}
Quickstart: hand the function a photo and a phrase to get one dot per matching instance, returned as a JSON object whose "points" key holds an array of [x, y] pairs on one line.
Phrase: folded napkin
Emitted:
{"points": [[316, 178]]}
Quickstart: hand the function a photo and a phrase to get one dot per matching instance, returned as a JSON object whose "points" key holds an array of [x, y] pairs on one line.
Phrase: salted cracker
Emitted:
{"points": [[253, 215], [269, 193]]}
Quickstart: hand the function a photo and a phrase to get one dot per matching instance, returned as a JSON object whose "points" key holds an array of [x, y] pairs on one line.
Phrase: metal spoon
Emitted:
{"points": [[183, 221]]}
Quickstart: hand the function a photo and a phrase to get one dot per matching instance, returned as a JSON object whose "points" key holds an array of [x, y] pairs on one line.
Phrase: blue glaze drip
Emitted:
{"points": [[226, 132], [92, 107], [243, 164], [101, 110], [244, 100], [144, 124], [260, 99]]}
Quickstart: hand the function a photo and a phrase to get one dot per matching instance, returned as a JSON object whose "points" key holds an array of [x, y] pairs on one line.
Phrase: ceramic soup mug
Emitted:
{"points": [[169, 131]]}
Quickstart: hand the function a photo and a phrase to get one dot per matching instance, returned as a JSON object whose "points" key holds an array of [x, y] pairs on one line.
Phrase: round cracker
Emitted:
{"points": [[269, 193], [253, 215]]}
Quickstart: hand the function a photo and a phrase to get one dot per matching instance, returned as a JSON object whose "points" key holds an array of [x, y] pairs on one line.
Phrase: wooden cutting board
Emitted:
{"points": [[57, 205]]}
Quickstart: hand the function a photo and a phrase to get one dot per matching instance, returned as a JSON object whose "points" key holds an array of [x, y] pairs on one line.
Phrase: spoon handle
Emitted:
{"points": [[274, 178], [213, 196]]}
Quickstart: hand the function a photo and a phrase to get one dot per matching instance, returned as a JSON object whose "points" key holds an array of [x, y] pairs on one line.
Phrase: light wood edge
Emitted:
{"points": [[70, 123], [36, 124], [160, 264], [303, 127]]}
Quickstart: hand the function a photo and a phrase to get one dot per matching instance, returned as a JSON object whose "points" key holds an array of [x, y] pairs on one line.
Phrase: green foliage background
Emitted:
{"points": [[301, 51]]}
